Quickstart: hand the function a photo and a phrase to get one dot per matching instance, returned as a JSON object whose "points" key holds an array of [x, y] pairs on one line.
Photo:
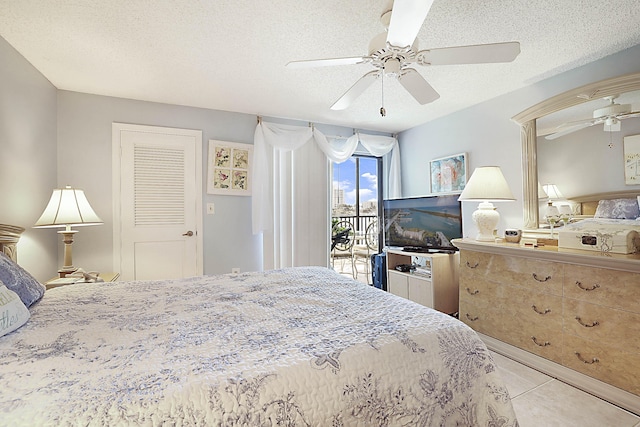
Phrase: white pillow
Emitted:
{"points": [[13, 312]]}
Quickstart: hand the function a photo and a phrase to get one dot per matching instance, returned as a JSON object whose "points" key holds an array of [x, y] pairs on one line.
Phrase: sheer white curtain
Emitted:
{"points": [[291, 192], [290, 196], [377, 145]]}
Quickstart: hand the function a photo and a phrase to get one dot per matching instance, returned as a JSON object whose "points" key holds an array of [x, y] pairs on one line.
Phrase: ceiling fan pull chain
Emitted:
{"points": [[383, 112]]}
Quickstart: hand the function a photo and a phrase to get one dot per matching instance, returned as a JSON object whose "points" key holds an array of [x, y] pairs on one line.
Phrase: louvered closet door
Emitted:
{"points": [[158, 209]]}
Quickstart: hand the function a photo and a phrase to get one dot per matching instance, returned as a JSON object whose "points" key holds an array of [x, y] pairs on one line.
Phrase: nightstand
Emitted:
{"points": [[55, 282]]}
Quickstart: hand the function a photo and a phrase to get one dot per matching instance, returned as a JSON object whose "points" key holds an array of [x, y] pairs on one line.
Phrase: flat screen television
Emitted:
{"points": [[420, 223]]}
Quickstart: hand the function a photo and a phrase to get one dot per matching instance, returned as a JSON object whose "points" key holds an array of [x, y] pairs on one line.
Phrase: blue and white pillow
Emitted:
{"points": [[618, 209], [14, 312], [18, 280]]}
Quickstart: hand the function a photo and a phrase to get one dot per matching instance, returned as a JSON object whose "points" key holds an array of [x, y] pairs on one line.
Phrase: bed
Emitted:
{"points": [[608, 225], [298, 347]]}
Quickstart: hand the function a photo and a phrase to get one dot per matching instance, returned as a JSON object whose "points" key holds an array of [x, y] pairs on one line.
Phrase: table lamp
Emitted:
{"points": [[67, 207], [487, 184], [551, 212]]}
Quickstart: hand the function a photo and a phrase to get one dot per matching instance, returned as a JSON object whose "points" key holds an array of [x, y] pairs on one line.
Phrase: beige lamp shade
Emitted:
{"points": [[68, 207], [542, 195], [553, 192], [487, 184]]}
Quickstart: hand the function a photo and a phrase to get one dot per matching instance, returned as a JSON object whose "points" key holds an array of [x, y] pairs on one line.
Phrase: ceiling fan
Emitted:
{"points": [[392, 52], [609, 116]]}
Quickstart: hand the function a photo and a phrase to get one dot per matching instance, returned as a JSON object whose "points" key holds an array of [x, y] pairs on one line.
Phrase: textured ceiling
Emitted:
{"points": [[231, 54]]}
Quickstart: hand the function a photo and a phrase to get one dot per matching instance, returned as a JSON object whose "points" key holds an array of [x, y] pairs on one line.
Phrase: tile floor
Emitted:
{"points": [[542, 401]]}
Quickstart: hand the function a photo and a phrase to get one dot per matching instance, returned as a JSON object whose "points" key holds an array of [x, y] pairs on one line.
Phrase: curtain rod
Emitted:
{"points": [[312, 126], [362, 133]]}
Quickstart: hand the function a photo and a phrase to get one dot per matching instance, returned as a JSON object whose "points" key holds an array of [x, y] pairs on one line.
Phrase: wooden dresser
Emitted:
{"points": [[572, 315]]}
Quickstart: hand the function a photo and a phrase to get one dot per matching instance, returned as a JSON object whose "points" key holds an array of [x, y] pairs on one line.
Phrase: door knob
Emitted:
{"points": [[188, 233]]}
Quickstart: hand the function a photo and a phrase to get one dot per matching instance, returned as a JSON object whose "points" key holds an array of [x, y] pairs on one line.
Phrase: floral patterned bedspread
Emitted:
{"points": [[296, 347]]}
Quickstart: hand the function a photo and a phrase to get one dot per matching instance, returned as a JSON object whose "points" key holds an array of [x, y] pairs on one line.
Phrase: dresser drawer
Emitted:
{"points": [[479, 290], [474, 264], [536, 339], [481, 319], [543, 276], [609, 327], [528, 307], [615, 367], [616, 289]]}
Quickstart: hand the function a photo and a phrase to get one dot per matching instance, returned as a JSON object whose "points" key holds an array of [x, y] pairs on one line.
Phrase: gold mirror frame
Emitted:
{"points": [[527, 121]]}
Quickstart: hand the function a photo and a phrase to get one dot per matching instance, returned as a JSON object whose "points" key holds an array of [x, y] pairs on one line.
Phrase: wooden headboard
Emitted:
{"points": [[589, 203], [9, 236]]}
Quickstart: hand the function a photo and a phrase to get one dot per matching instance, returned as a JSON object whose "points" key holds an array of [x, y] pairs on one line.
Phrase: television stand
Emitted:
{"points": [[434, 285]]}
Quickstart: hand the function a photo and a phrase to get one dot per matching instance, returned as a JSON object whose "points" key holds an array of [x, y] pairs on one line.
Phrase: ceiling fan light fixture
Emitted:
{"points": [[612, 125], [392, 67]]}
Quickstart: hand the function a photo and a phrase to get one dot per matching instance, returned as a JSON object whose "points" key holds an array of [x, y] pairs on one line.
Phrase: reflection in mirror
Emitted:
{"points": [[580, 149], [607, 113], [597, 163]]}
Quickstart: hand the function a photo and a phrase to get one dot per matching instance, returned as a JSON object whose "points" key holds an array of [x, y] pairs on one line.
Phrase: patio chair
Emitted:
{"points": [[342, 239], [365, 246]]}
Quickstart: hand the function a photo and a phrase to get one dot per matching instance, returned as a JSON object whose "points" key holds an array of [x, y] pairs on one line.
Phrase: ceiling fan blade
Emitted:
{"points": [[417, 86], [356, 90], [570, 129], [407, 17], [310, 63], [628, 115], [474, 54]]}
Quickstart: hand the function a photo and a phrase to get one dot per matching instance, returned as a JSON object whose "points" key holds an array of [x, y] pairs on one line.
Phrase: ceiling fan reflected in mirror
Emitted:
{"points": [[608, 116], [393, 51]]}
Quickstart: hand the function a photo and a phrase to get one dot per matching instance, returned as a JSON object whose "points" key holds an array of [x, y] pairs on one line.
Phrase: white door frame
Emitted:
{"points": [[117, 128]]}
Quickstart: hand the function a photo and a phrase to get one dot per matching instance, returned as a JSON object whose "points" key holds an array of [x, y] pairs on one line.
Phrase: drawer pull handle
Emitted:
{"points": [[544, 344], [546, 311], [588, 362], [587, 325], [472, 266], [473, 319], [593, 288], [546, 279], [470, 292]]}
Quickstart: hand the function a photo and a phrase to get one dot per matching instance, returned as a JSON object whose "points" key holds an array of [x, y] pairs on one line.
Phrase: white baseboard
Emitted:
{"points": [[607, 392]]}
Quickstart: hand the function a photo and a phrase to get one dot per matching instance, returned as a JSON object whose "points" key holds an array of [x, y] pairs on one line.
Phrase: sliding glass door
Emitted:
{"points": [[356, 201]]}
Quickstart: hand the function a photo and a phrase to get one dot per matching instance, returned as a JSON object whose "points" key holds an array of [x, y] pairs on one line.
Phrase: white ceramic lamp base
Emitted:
{"points": [[486, 218]]}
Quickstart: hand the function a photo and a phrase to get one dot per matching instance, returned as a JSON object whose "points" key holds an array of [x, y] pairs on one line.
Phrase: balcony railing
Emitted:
{"points": [[358, 222]]}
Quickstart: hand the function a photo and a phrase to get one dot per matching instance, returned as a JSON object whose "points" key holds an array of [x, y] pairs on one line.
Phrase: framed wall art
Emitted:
{"points": [[449, 174], [229, 167], [632, 160]]}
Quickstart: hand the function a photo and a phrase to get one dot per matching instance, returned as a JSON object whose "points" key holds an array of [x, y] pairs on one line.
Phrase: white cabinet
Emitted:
{"points": [[434, 285], [398, 284]]}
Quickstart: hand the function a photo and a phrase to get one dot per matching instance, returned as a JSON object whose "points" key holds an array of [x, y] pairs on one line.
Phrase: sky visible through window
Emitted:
{"points": [[344, 178]]}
